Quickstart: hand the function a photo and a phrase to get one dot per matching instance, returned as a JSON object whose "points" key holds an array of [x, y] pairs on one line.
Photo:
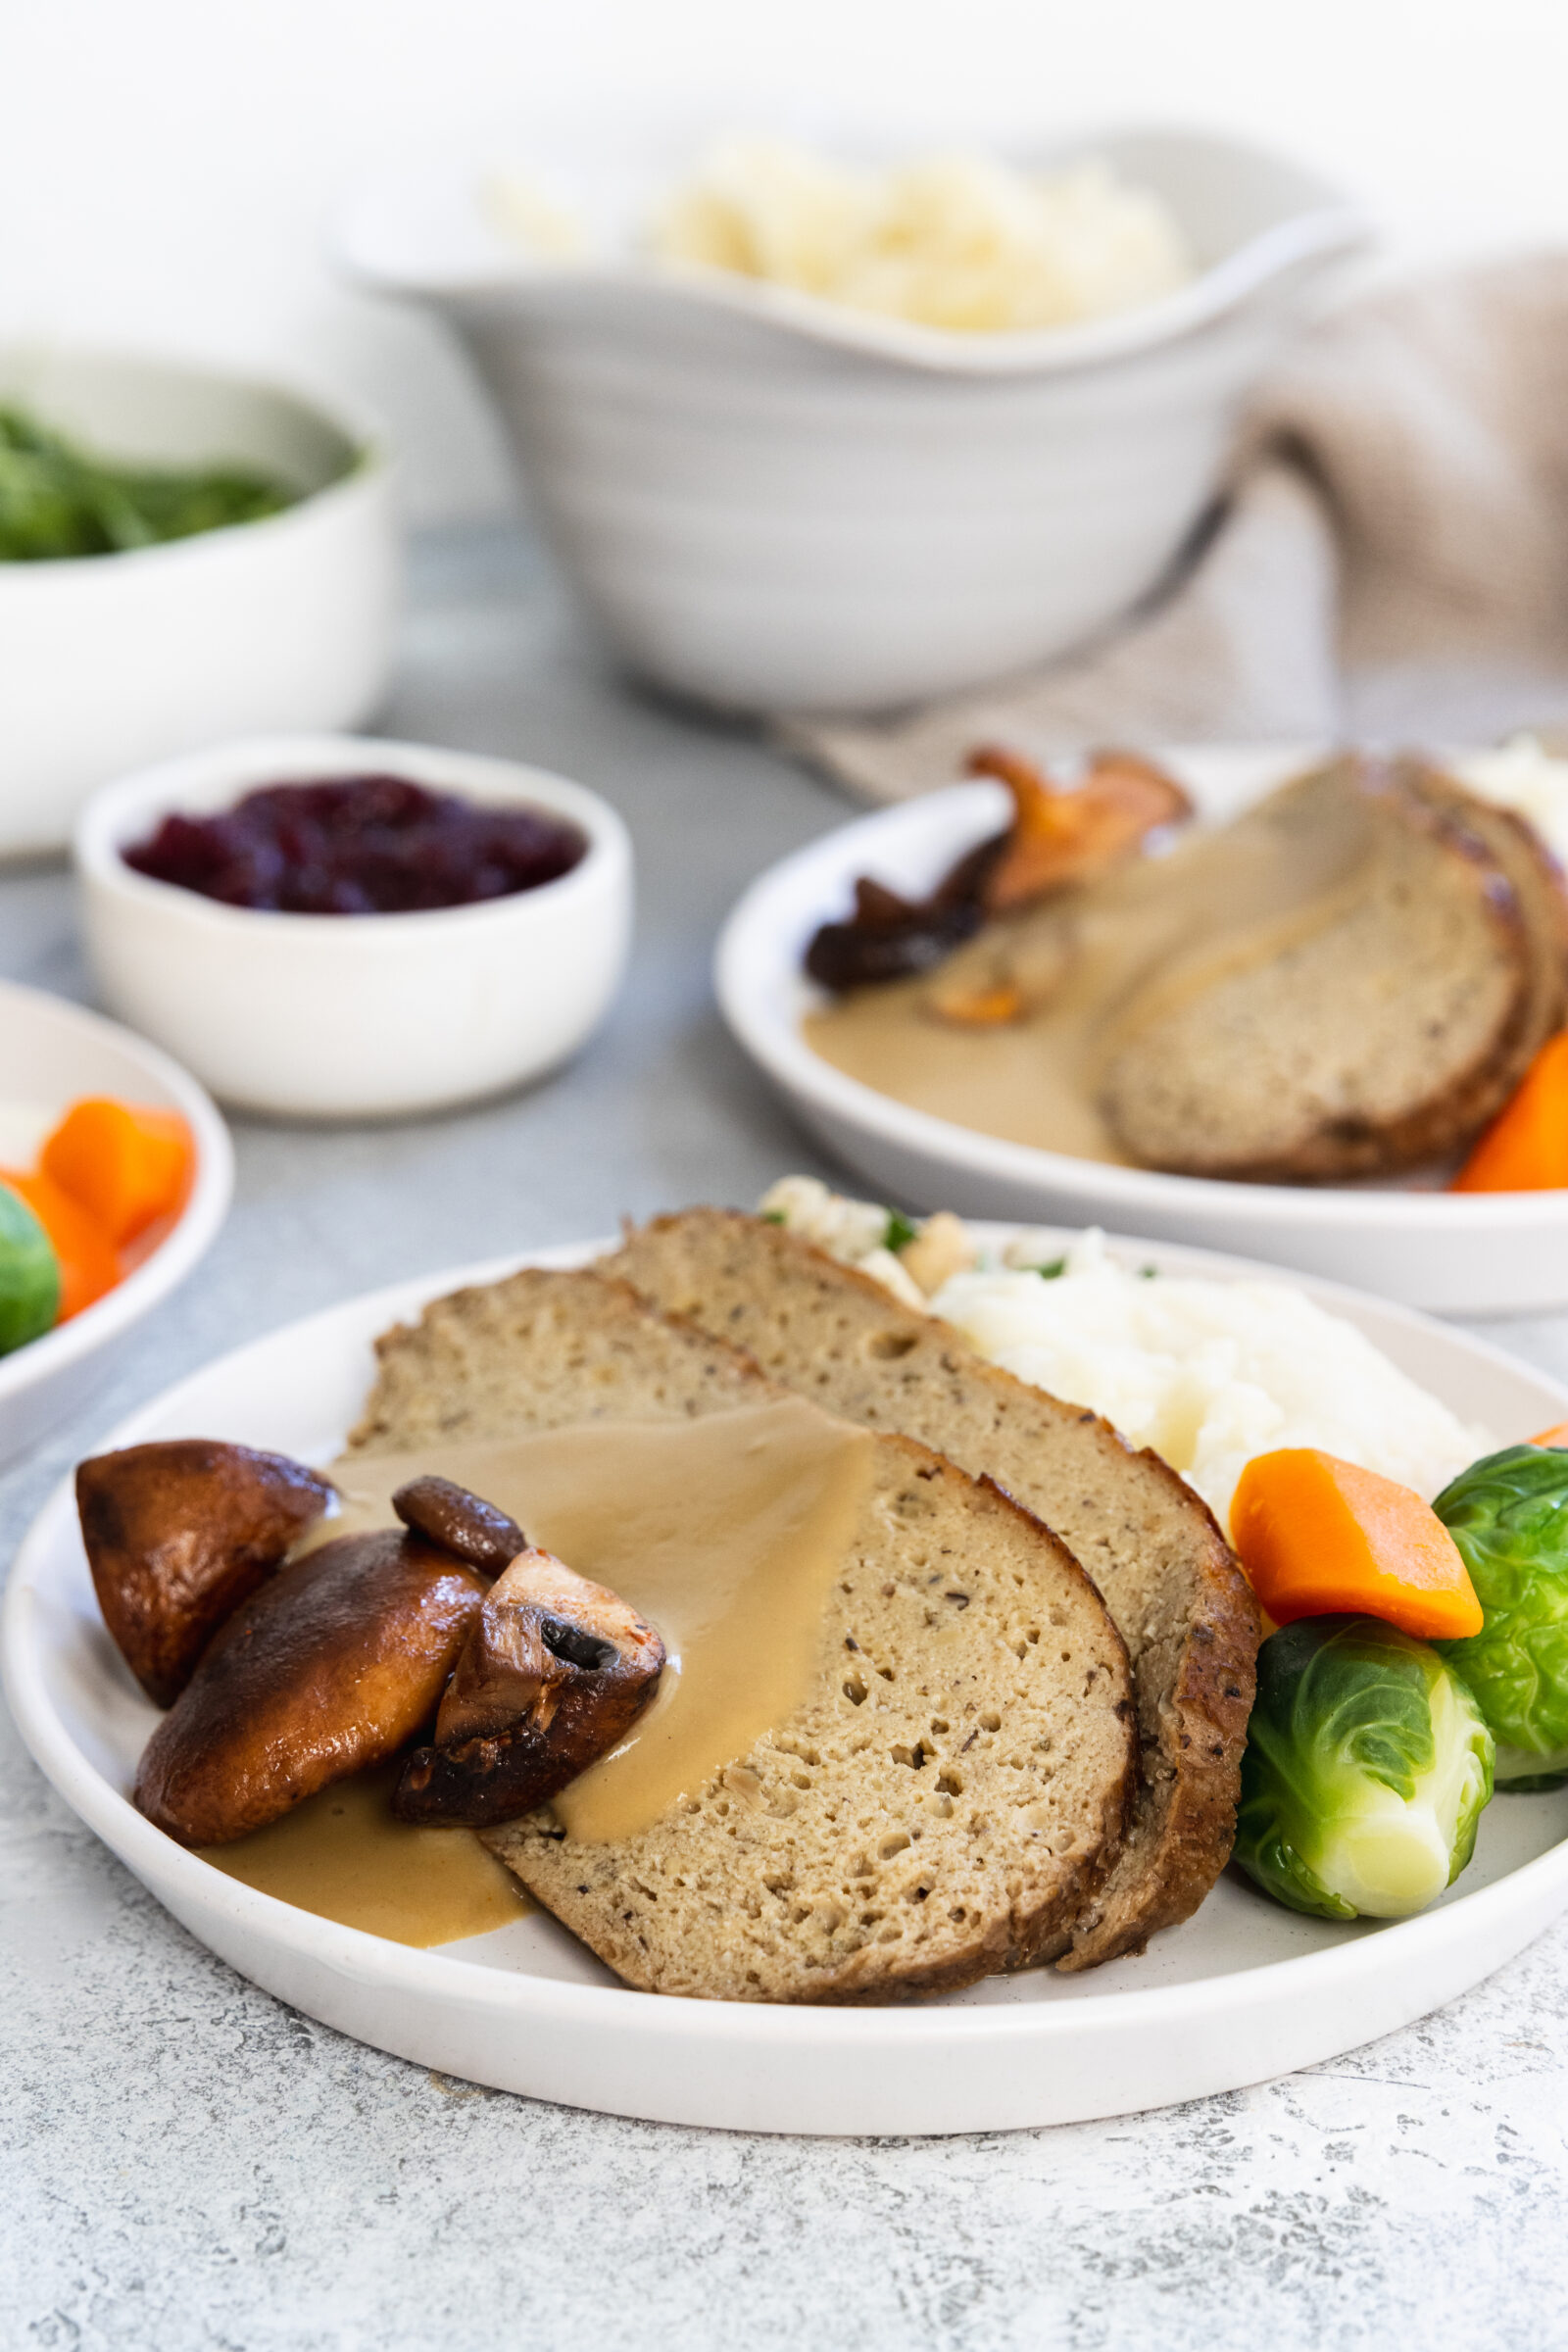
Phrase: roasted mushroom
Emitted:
{"points": [[336, 1663], [461, 1523], [177, 1535], [1054, 838], [553, 1674], [891, 938], [1061, 837]]}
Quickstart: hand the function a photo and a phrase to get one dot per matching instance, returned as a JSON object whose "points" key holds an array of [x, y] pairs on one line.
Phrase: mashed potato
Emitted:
{"points": [[1207, 1373], [954, 241], [1523, 776]]}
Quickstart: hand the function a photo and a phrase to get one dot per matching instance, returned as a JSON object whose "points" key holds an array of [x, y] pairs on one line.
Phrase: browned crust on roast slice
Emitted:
{"points": [[1542, 897], [1166, 1574]]}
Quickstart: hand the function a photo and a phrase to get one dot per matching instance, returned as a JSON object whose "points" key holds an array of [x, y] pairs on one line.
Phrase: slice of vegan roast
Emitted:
{"points": [[1147, 1542], [1378, 1030], [948, 1790]]}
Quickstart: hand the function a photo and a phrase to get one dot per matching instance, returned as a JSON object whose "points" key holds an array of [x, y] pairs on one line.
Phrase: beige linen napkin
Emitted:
{"points": [[1391, 558]]}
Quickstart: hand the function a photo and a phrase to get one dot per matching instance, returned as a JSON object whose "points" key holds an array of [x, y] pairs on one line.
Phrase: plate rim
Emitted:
{"points": [[760, 993], [372, 1961]]}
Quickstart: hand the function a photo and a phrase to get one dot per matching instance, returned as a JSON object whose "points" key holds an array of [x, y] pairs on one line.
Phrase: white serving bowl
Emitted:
{"points": [[51, 1053], [111, 660], [325, 1016], [1454, 1253], [776, 502]]}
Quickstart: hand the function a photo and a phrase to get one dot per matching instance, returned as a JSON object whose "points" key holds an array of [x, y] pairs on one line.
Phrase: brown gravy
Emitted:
{"points": [[724, 1530], [1091, 965], [342, 1855]]}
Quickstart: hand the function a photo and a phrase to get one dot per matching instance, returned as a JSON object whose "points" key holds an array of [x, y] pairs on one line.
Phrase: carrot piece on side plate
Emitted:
{"points": [[1525, 1150], [89, 1263], [1318, 1537], [1556, 1435], [125, 1165]]}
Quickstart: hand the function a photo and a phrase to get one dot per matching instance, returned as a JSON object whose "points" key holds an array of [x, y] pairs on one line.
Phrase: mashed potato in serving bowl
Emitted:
{"points": [[964, 243], [1207, 1373]]}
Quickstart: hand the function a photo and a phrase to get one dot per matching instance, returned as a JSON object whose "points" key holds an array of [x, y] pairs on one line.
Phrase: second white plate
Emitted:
{"points": [[1242, 1992], [51, 1053], [1456, 1254]]}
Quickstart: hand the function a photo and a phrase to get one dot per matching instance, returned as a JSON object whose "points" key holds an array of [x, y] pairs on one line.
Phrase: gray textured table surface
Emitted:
{"points": [[190, 2165]]}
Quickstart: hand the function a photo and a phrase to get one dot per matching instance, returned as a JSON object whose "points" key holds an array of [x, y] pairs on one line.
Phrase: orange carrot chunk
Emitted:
{"points": [[89, 1263], [1525, 1150], [1556, 1435], [125, 1165], [1317, 1536]]}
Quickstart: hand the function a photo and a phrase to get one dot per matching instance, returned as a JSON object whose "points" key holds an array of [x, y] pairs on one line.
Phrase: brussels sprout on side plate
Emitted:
{"points": [[1368, 1766], [1508, 1514], [29, 1275]]}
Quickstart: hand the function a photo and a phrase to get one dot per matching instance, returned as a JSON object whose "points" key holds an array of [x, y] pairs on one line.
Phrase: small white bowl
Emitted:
{"points": [[328, 1016], [778, 502], [51, 1053], [111, 661], [1466, 1253]]}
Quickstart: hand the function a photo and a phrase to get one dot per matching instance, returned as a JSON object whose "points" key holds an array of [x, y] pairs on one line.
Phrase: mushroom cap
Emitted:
{"points": [[335, 1664], [177, 1535], [460, 1522], [553, 1674]]}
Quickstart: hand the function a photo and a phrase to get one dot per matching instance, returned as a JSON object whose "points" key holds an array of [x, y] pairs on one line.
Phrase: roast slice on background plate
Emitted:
{"points": [[1455, 1253], [51, 1053], [1242, 1991]]}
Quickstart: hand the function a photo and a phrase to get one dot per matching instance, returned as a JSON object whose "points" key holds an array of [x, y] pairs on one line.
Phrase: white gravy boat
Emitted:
{"points": [[771, 501]]}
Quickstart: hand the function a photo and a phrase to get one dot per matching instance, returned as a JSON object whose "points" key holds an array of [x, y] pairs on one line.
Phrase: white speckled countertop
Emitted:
{"points": [[190, 2166]]}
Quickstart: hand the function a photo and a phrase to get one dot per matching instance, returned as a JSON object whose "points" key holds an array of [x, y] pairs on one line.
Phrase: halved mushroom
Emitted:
{"points": [[1054, 838], [1061, 837], [553, 1675], [888, 936], [335, 1664], [461, 1523], [177, 1535]]}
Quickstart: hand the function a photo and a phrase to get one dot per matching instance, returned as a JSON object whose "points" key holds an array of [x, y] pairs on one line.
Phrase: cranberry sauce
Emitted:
{"points": [[358, 845]]}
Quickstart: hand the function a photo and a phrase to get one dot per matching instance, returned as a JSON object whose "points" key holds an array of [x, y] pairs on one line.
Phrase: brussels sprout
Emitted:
{"points": [[1508, 1514], [29, 1274], [1367, 1765]]}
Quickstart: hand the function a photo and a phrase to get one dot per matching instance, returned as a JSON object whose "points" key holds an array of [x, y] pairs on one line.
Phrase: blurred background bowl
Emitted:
{"points": [[113, 660], [772, 501], [51, 1054], [333, 1016]]}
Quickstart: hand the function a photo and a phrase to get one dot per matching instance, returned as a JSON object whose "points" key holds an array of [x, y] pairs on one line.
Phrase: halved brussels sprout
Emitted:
{"points": [[29, 1274], [1508, 1514], [1368, 1766]]}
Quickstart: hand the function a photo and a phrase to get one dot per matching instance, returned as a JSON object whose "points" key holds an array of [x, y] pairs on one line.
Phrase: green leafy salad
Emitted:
{"points": [[59, 500]]}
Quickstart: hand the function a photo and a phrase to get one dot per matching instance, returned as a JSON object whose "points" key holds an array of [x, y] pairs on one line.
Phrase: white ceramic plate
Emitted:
{"points": [[51, 1053], [1242, 1991], [1470, 1253]]}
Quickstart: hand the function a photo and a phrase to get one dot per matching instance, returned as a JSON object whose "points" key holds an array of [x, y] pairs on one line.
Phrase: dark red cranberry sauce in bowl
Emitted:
{"points": [[358, 845]]}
